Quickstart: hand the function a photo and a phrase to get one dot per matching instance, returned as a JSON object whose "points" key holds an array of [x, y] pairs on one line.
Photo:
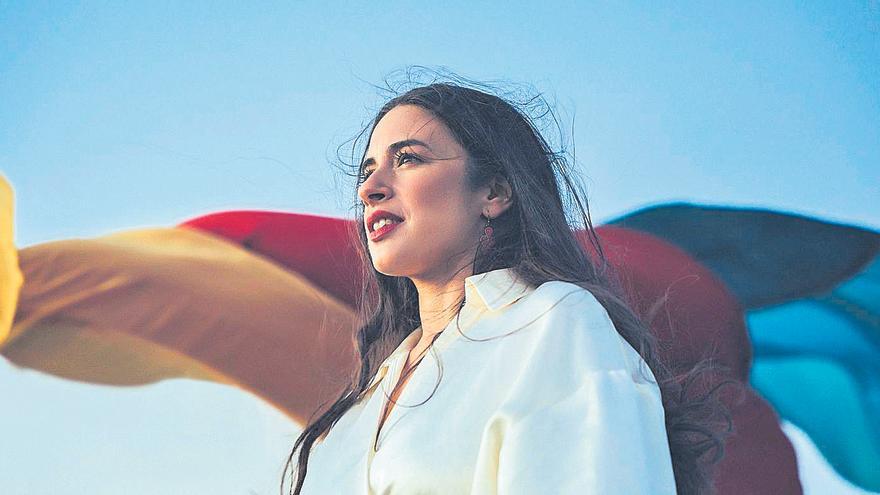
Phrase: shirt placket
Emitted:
{"points": [[392, 375], [469, 315]]}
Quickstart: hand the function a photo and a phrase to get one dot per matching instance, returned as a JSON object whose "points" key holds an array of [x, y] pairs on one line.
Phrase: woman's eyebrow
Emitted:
{"points": [[396, 146]]}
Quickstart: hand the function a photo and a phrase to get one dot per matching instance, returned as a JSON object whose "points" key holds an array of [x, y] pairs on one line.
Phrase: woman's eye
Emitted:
{"points": [[402, 156]]}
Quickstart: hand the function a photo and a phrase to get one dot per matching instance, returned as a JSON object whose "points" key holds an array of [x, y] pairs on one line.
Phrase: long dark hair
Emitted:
{"points": [[535, 238]]}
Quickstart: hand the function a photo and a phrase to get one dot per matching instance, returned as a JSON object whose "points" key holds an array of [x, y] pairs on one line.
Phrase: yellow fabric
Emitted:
{"points": [[532, 391], [78, 351], [10, 276], [139, 306]]}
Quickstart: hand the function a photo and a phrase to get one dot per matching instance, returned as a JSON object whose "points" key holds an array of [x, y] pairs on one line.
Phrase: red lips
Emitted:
{"points": [[383, 231], [378, 214]]}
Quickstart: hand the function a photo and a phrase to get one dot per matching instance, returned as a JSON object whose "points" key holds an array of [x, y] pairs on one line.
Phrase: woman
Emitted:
{"points": [[537, 379]]}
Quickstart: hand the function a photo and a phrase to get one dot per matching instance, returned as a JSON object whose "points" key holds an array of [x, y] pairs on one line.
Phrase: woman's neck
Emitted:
{"points": [[439, 302]]}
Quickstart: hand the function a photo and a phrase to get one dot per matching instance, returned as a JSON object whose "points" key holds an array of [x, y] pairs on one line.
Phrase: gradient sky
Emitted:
{"points": [[146, 114]]}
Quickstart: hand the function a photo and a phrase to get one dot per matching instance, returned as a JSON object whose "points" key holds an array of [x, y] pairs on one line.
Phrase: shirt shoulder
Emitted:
{"points": [[574, 328], [572, 345], [556, 290]]}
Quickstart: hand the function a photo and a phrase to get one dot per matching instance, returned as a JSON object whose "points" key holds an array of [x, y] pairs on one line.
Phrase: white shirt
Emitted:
{"points": [[558, 406]]}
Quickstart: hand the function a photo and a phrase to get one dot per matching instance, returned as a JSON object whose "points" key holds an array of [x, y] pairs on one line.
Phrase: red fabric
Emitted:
{"points": [[759, 459], [687, 305], [319, 248], [681, 300]]}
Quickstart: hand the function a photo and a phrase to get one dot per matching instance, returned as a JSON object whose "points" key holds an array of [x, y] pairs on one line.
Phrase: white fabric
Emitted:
{"points": [[816, 474], [555, 401]]}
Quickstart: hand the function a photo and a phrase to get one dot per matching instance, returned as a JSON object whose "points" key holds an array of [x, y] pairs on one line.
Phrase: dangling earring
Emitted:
{"points": [[487, 238]]}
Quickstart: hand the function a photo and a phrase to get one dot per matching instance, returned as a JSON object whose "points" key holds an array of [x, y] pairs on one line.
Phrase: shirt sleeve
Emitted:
{"points": [[580, 418]]}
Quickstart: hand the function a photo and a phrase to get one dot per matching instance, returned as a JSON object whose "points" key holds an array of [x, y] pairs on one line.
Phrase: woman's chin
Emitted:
{"points": [[386, 266], [392, 266]]}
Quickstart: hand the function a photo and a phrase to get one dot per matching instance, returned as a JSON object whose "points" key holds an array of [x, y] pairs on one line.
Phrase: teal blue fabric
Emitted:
{"points": [[823, 398], [817, 360]]}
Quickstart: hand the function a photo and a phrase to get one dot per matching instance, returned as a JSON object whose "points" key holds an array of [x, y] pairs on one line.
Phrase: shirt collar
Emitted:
{"points": [[492, 290], [495, 289]]}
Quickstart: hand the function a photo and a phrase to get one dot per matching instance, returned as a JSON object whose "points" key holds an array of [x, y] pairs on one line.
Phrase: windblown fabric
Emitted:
{"points": [[141, 306], [691, 309], [264, 301], [10, 275], [811, 292]]}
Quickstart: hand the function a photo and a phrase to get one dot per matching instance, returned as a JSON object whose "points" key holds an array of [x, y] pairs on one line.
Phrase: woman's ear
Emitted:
{"points": [[500, 196]]}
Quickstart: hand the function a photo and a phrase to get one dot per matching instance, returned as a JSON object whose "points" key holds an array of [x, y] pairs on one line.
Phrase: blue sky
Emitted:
{"points": [[127, 115]]}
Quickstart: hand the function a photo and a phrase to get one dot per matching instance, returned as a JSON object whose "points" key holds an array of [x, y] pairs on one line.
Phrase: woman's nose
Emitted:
{"points": [[373, 190]]}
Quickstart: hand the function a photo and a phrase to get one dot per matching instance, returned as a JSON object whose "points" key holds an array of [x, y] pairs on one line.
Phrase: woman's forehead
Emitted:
{"points": [[409, 122]]}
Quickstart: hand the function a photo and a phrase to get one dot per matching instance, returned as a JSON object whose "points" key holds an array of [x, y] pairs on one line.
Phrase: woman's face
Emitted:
{"points": [[415, 170]]}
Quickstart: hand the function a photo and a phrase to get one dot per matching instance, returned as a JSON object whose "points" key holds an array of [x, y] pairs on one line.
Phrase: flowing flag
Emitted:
{"points": [[811, 292], [10, 275]]}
